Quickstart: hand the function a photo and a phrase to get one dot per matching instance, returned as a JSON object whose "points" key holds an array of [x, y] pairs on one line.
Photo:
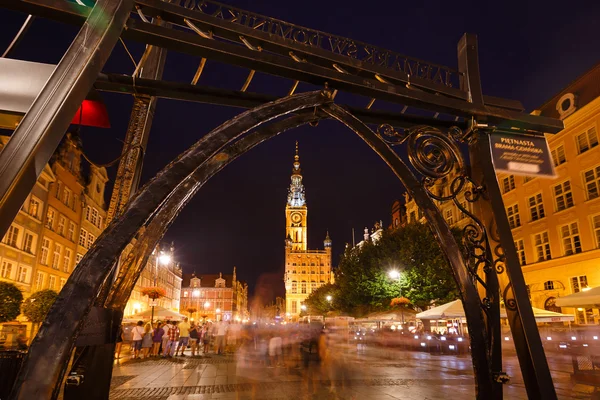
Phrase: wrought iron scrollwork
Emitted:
{"points": [[509, 298], [436, 155]]}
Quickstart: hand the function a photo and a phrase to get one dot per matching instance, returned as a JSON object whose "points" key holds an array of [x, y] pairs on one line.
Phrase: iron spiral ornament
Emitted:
{"points": [[433, 153]]}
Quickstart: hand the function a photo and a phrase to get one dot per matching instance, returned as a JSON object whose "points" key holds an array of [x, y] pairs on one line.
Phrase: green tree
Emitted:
{"points": [[317, 303], [425, 276], [38, 304], [10, 301]]}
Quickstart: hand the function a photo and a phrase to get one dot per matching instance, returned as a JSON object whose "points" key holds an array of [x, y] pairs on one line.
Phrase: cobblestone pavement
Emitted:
{"points": [[373, 373]]}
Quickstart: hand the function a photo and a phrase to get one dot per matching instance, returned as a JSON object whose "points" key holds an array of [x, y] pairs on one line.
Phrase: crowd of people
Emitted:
{"points": [[311, 347], [173, 338], [268, 345]]}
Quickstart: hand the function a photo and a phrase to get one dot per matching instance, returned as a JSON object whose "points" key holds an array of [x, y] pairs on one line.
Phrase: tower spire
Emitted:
{"points": [[296, 196]]}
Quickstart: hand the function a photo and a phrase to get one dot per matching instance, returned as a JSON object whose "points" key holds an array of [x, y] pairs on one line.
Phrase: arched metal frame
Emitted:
{"points": [[432, 153]]}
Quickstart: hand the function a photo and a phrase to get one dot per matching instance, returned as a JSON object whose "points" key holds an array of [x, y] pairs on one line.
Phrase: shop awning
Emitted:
{"points": [[160, 313], [589, 298], [22, 81], [454, 310], [451, 310]]}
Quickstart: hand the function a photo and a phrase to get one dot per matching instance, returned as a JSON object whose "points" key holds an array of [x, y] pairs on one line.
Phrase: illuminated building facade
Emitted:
{"points": [[215, 297], [305, 270], [163, 271], [46, 240]]}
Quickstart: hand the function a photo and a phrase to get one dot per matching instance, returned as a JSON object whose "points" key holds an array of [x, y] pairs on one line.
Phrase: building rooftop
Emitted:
{"points": [[208, 280], [585, 89]]}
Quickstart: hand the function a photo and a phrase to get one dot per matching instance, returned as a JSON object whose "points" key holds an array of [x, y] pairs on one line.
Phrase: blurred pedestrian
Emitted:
{"points": [[172, 340], [119, 343], [147, 340], [165, 338], [275, 350], [184, 336], [194, 336], [157, 338], [206, 336], [220, 339], [138, 335]]}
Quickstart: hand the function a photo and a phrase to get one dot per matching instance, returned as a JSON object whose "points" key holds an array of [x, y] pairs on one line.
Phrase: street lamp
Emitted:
{"points": [[206, 306], [164, 259], [303, 307], [394, 274], [329, 298]]}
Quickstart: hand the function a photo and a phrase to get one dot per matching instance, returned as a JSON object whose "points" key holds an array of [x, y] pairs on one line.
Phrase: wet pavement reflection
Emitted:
{"points": [[307, 362]]}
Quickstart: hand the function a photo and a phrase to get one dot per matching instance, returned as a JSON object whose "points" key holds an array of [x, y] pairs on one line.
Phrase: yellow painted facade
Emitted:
{"points": [[41, 248], [557, 221], [305, 270]]}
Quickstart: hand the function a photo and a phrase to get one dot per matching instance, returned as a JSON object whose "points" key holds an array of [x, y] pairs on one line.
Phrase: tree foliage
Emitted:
{"points": [[317, 303], [10, 301], [362, 278], [38, 304]]}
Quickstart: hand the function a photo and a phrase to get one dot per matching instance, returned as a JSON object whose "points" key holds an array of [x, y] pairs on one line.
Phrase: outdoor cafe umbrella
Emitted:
{"points": [[586, 298], [451, 310], [159, 313], [454, 310]]}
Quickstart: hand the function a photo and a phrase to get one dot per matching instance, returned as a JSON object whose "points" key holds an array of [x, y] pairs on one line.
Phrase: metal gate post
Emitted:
{"points": [[41, 130], [532, 359], [468, 65]]}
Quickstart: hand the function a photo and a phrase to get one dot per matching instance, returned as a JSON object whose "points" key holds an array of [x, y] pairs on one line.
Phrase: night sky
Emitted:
{"points": [[528, 51]]}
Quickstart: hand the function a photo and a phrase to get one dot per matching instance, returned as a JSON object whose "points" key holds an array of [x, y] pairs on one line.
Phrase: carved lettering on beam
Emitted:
{"points": [[336, 44]]}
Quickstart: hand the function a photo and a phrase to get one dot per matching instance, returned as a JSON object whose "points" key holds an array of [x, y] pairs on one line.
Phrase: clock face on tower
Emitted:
{"points": [[296, 218]]}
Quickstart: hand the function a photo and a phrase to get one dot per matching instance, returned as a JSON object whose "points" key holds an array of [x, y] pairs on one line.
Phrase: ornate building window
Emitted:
{"points": [[542, 246], [39, 281], [592, 182], [579, 283], [587, 140], [520, 245], [596, 228], [23, 274], [45, 251], [6, 271], [71, 233], [563, 196], [549, 285], [570, 236], [61, 225], [514, 218], [35, 207], [67, 260], [29, 243], [303, 287], [558, 155], [449, 217], [56, 256], [536, 207], [508, 183], [12, 236], [294, 287]]}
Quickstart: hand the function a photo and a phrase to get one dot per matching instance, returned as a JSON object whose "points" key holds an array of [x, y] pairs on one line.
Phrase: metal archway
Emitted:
{"points": [[490, 265]]}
